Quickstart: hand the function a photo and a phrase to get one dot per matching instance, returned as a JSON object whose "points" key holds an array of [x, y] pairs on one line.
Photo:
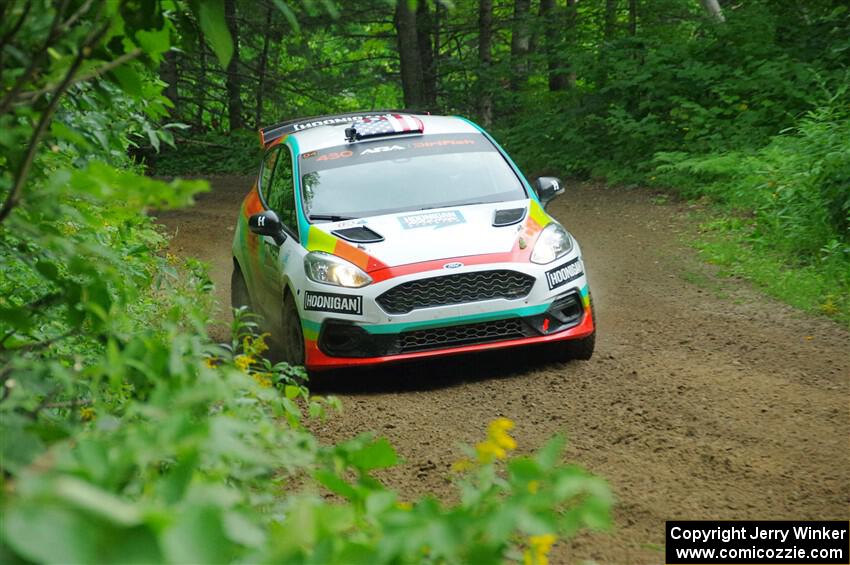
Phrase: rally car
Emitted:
{"points": [[384, 236]]}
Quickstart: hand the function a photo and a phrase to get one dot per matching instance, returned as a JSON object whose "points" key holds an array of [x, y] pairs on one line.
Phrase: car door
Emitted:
{"points": [[277, 191]]}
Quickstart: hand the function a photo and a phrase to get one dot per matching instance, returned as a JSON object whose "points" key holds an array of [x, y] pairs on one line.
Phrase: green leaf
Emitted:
{"points": [[154, 42], [376, 455], [210, 14], [98, 502], [198, 536], [242, 530], [19, 446], [18, 318], [66, 133], [48, 270], [45, 533], [549, 455], [291, 391], [129, 80], [335, 484], [288, 14]]}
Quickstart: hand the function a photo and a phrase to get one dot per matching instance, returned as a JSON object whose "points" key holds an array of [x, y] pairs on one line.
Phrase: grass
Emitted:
{"points": [[727, 243]]}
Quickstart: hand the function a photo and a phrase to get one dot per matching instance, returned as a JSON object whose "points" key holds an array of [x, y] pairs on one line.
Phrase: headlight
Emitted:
{"points": [[330, 269], [554, 242]]}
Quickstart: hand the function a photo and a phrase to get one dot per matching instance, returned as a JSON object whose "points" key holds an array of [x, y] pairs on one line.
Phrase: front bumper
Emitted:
{"points": [[358, 327], [317, 360], [341, 343]]}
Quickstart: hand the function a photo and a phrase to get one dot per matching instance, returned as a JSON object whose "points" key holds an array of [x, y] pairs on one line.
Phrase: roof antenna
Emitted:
{"points": [[351, 134]]}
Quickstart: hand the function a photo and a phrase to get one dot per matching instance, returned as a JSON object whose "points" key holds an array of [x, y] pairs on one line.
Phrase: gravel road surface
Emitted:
{"points": [[704, 400]]}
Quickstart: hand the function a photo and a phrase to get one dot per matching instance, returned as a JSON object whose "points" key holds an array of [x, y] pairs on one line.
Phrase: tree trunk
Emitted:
{"points": [[170, 76], [520, 41], [609, 28], [572, 25], [424, 33], [202, 49], [551, 17], [714, 10], [610, 20], [485, 60], [234, 100], [261, 71], [412, 78]]}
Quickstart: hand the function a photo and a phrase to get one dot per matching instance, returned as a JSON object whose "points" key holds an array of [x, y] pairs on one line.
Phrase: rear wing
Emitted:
{"points": [[273, 133]]}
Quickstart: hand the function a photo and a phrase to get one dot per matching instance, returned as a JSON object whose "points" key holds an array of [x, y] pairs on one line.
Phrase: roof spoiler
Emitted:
{"points": [[273, 133]]}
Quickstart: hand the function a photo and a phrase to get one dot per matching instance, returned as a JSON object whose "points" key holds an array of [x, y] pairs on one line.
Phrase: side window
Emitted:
{"points": [[276, 185], [268, 170]]}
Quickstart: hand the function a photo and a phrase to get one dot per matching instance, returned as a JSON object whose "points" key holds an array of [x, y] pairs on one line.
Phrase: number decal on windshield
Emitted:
{"points": [[335, 155]]}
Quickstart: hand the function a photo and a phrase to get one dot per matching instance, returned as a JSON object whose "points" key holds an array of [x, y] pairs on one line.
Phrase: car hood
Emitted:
{"points": [[439, 233]]}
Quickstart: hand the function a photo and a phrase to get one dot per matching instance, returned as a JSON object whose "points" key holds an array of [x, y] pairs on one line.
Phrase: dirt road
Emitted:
{"points": [[704, 400]]}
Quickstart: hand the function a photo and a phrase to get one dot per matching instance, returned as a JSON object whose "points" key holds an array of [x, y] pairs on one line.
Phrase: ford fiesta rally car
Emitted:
{"points": [[385, 236]]}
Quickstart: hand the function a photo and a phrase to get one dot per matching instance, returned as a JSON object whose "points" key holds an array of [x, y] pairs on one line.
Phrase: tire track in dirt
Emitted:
{"points": [[703, 401]]}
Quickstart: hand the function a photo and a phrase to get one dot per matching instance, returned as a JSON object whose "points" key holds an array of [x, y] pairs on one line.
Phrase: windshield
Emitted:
{"points": [[399, 175]]}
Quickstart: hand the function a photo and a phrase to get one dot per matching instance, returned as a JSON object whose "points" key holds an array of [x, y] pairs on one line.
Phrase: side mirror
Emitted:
{"points": [[548, 188], [267, 223]]}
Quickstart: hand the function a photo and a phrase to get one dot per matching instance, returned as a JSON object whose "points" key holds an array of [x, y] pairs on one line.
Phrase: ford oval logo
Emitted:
{"points": [[454, 265]]}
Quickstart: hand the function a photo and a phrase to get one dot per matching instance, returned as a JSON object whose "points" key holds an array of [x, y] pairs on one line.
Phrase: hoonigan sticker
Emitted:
{"points": [[559, 276], [431, 219], [337, 303]]}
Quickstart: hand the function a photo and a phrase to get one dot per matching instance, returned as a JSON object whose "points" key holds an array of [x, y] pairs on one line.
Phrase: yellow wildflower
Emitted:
{"points": [[263, 379], [171, 258], [488, 450], [87, 414], [538, 551], [498, 433], [255, 345], [461, 465], [404, 506], [210, 362], [533, 487], [243, 362], [498, 441], [828, 307]]}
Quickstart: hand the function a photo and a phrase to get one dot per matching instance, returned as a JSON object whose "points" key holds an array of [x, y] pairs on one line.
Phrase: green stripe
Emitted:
{"points": [[310, 329], [454, 321], [303, 224]]}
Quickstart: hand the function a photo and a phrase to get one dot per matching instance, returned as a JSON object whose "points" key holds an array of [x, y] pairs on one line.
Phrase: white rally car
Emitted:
{"points": [[385, 236]]}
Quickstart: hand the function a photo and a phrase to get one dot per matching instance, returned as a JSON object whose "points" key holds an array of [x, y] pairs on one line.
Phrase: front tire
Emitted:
{"points": [[291, 336], [239, 297], [581, 349]]}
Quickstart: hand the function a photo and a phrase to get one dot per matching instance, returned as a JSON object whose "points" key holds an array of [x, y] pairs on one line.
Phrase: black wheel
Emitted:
{"points": [[581, 348], [291, 336], [239, 296]]}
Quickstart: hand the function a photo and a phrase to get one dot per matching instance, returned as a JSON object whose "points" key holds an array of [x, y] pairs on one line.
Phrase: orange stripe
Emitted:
{"points": [[253, 205], [357, 256]]}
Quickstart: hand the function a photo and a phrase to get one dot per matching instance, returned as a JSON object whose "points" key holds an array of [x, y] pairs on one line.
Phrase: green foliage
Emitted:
{"points": [[752, 114], [127, 436], [796, 193], [210, 154]]}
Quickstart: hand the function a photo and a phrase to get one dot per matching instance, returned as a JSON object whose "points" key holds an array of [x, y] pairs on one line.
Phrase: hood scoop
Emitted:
{"points": [[508, 217], [359, 234]]}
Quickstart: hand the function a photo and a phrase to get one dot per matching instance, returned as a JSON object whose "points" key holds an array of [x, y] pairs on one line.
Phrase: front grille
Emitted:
{"points": [[420, 340], [455, 289]]}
